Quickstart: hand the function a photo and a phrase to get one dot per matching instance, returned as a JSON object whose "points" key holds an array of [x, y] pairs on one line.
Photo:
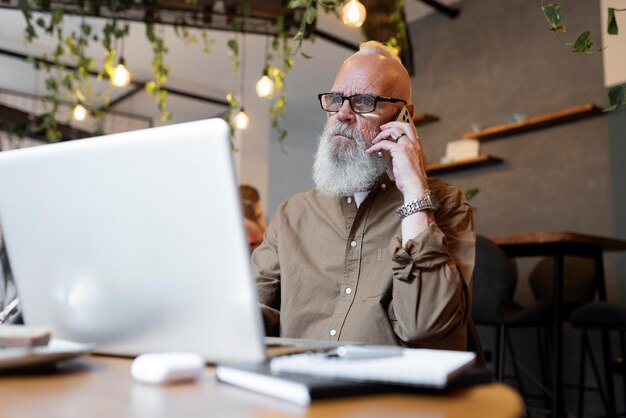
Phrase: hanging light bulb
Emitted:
{"points": [[241, 119], [265, 86], [79, 112], [121, 75], [353, 13]]}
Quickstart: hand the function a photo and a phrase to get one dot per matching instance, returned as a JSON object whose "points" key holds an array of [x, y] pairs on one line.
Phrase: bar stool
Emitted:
{"points": [[607, 319], [579, 287], [494, 282]]}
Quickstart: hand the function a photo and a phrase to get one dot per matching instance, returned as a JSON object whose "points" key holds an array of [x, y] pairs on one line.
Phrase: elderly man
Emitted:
{"points": [[361, 257]]}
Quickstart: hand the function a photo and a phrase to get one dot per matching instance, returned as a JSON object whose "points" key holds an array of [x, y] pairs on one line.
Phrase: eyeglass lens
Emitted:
{"points": [[360, 103]]}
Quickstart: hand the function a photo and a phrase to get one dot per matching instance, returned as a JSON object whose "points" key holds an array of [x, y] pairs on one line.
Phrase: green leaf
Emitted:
{"points": [[583, 43], [244, 8], [234, 46], [310, 15], [552, 12], [612, 23], [617, 97], [293, 4], [151, 88], [470, 193]]}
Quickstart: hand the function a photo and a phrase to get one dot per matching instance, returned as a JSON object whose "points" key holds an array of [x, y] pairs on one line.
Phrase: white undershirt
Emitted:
{"points": [[359, 197]]}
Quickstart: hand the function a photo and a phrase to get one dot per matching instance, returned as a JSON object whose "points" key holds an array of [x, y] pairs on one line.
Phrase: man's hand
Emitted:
{"points": [[400, 140]]}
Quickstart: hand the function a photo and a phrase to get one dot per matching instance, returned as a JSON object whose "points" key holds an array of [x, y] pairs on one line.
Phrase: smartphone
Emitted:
{"points": [[403, 115]]}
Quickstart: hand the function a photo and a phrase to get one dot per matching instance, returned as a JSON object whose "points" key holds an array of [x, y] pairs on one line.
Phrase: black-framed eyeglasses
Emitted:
{"points": [[359, 103]]}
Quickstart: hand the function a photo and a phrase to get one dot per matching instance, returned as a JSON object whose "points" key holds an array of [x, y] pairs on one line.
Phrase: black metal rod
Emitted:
{"points": [[136, 89], [337, 41], [451, 12]]}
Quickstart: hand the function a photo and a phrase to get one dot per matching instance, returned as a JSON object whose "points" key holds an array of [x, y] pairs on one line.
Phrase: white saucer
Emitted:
{"points": [[55, 350]]}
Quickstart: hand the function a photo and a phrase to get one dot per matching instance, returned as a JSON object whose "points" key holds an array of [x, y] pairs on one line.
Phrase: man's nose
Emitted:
{"points": [[345, 112]]}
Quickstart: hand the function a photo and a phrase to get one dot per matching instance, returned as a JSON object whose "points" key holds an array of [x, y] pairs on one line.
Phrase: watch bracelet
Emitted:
{"points": [[415, 205]]}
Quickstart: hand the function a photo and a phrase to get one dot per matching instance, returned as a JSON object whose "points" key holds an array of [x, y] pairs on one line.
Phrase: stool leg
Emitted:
{"points": [[581, 375], [622, 338], [608, 372], [596, 373], [543, 362], [518, 375], [498, 354]]}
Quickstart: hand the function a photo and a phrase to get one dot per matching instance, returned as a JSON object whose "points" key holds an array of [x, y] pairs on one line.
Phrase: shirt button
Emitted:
{"points": [[348, 290], [353, 244], [383, 186], [333, 332], [349, 200]]}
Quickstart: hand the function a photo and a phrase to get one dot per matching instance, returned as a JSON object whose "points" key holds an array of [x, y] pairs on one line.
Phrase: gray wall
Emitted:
{"points": [[497, 59], [617, 153]]}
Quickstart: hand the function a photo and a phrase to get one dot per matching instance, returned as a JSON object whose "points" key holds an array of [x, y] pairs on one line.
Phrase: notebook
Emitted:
{"points": [[410, 367], [301, 378], [134, 242], [297, 389]]}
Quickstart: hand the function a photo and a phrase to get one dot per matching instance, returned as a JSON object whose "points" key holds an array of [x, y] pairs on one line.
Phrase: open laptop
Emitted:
{"points": [[134, 241]]}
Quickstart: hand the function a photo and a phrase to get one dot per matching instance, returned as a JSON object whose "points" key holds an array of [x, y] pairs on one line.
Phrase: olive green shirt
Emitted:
{"points": [[327, 270]]}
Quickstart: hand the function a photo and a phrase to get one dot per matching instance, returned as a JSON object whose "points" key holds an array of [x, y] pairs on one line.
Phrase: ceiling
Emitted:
{"points": [[192, 71]]}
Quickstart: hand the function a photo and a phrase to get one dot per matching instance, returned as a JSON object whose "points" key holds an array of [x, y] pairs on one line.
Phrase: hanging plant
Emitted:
{"points": [[586, 44], [160, 70], [278, 72], [72, 82], [234, 54]]}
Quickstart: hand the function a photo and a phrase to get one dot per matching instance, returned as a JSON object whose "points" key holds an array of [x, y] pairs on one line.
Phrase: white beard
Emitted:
{"points": [[342, 167]]}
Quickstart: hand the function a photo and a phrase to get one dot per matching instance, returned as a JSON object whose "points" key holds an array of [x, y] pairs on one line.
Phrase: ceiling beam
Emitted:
{"points": [[140, 84], [136, 89], [451, 12], [13, 119], [335, 40]]}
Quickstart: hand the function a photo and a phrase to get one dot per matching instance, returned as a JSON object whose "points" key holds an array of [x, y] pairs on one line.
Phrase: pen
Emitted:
{"points": [[357, 352]]}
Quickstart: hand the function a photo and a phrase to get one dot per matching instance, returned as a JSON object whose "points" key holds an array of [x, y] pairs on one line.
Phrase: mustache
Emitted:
{"points": [[342, 129]]}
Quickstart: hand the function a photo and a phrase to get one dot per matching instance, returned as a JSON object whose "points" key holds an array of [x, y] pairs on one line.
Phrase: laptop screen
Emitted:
{"points": [[134, 241]]}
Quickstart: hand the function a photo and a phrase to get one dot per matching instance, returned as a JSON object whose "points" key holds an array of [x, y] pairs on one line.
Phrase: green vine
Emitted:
{"points": [[584, 44], [396, 17], [233, 103], [160, 70], [278, 72], [236, 25], [74, 83]]}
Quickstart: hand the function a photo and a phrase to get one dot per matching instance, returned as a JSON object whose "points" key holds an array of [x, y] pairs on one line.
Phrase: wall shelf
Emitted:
{"points": [[420, 119], [536, 122], [481, 160]]}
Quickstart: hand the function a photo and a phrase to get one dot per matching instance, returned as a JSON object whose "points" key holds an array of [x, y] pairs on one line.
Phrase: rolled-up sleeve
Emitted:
{"points": [[432, 279]]}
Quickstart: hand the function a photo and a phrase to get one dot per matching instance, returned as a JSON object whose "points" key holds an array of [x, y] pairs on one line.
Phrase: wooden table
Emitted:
{"points": [[559, 244], [98, 386]]}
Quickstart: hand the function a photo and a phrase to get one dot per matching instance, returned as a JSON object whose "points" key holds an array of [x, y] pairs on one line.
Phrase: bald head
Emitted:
{"points": [[376, 68]]}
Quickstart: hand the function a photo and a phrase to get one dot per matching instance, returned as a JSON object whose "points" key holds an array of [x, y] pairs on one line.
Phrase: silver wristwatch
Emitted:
{"points": [[427, 202]]}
